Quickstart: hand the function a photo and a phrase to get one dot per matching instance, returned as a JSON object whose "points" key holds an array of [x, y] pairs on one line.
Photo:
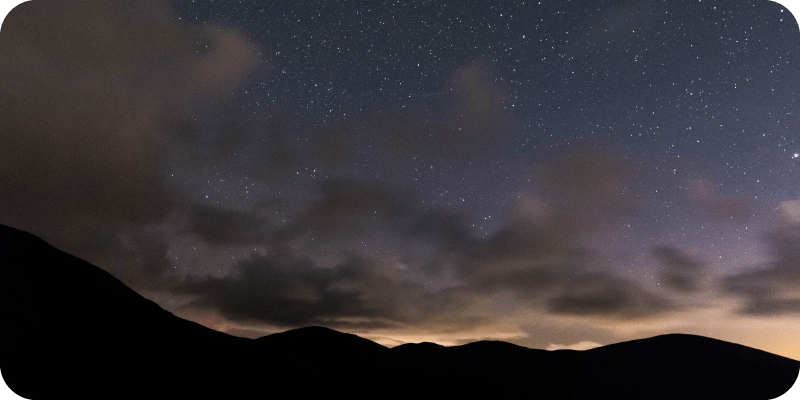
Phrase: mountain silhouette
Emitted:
{"points": [[69, 329]]}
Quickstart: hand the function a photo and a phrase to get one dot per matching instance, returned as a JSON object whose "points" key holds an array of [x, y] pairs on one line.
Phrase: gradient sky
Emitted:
{"points": [[549, 173]]}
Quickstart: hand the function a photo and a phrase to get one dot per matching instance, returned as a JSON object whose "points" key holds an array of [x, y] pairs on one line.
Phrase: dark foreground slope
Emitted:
{"points": [[70, 330]]}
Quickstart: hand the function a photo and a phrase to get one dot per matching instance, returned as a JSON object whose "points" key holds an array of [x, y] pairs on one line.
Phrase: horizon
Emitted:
{"points": [[584, 347], [558, 175]]}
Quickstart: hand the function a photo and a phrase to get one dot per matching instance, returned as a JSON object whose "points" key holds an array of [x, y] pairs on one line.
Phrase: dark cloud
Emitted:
{"points": [[349, 209], [530, 262], [296, 292], [544, 238], [448, 228], [679, 271], [335, 144], [753, 284], [426, 265], [784, 241], [590, 185], [438, 271], [253, 140], [763, 292], [542, 250], [528, 280], [602, 295], [716, 205], [764, 306], [96, 94], [220, 226], [93, 92]]}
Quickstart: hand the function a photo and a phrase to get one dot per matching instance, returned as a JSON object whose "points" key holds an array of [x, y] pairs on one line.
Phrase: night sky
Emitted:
{"points": [[549, 173]]}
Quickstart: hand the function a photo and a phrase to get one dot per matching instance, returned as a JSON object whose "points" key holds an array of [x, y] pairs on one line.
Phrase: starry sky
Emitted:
{"points": [[556, 174]]}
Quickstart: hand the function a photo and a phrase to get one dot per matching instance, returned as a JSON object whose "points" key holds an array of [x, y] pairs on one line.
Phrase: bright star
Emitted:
{"points": [[796, 155]]}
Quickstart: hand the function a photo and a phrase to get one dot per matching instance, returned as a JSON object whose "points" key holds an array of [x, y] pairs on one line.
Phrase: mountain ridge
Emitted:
{"points": [[68, 329]]}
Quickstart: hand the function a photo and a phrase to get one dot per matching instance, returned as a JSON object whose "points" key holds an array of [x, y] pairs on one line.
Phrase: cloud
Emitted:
{"points": [[93, 94], [296, 292], [223, 67], [448, 228], [708, 199], [478, 113], [425, 265], [350, 208], [790, 211], [544, 240], [765, 292], [773, 288], [590, 185], [96, 94], [678, 270], [250, 140], [584, 345], [766, 306], [220, 226], [602, 295]]}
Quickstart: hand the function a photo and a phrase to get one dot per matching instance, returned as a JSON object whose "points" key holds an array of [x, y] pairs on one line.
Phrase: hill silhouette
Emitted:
{"points": [[69, 329]]}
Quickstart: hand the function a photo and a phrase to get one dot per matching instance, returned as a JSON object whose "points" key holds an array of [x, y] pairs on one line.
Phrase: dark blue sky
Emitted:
{"points": [[709, 82]]}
